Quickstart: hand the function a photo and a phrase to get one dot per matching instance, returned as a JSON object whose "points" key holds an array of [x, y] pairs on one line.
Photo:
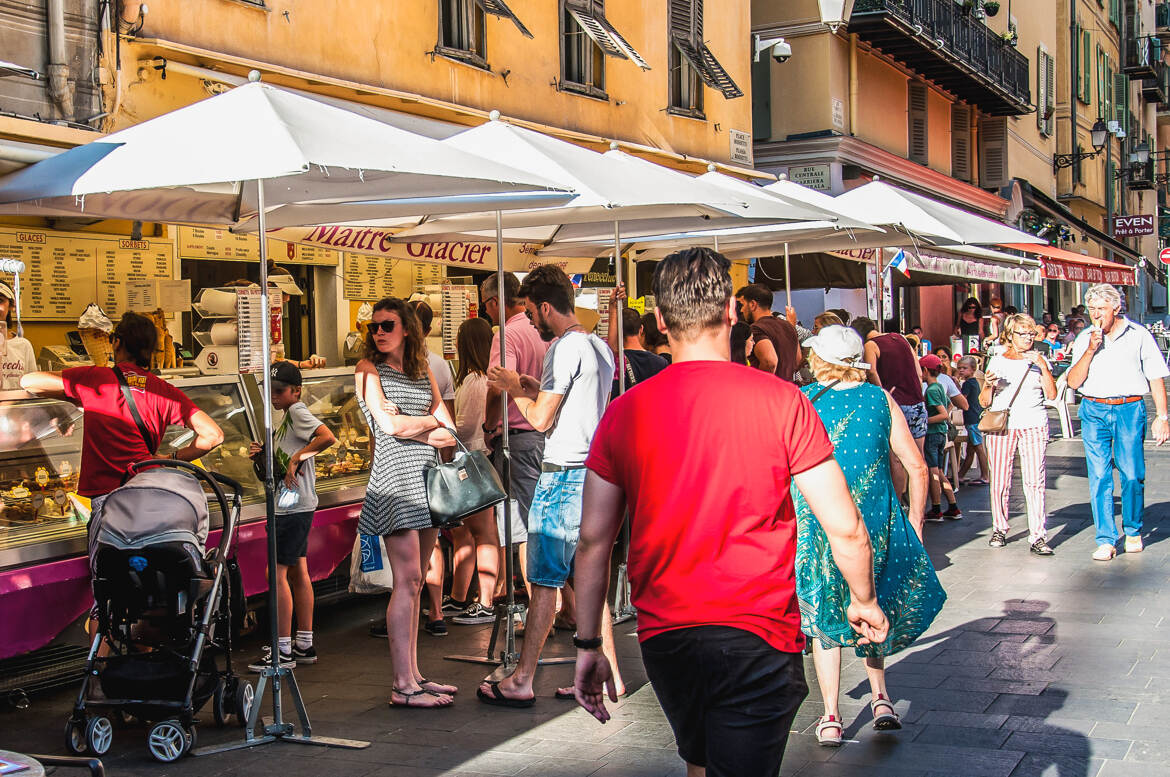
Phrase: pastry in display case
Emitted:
{"points": [[330, 396], [40, 456]]}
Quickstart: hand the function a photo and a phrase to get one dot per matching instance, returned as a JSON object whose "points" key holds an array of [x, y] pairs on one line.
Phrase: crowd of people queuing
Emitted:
{"points": [[784, 501]]}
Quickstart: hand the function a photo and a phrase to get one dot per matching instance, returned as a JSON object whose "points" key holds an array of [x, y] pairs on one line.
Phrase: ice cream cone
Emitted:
{"points": [[98, 346]]}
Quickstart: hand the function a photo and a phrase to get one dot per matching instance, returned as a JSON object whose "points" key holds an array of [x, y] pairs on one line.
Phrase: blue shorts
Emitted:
{"points": [[915, 419], [974, 436], [554, 526], [933, 449]]}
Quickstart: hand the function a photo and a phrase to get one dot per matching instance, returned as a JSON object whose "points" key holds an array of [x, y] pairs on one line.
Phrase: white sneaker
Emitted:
{"points": [[1133, 544], [1104, 553]]}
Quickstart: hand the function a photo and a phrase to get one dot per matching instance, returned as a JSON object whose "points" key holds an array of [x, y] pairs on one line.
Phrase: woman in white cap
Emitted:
{"points": [[865, 425], [16, 353]]}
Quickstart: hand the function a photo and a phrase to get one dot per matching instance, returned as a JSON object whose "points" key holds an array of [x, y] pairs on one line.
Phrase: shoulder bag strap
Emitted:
{"points": [[1019, 387], [821, 393], [133, 407]]}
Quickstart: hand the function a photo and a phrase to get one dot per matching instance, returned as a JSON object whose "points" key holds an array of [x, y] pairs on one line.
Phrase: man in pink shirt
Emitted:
{"points": [[524, 352]]}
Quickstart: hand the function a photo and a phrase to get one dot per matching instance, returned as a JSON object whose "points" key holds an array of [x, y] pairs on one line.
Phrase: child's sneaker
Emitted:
{"points": [[304, 655], [953, 512], [265, 661]]}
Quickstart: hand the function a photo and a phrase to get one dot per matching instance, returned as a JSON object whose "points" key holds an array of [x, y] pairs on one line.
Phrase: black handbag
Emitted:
{"points": [[462, 487]]}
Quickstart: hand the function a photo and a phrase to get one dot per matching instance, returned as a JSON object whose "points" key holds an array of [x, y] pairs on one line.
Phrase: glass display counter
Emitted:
{"points": [[41, 518]]}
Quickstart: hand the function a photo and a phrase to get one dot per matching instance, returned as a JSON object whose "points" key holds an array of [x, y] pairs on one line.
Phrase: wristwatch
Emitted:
{"points": [[586, 644], [1162, 418]]}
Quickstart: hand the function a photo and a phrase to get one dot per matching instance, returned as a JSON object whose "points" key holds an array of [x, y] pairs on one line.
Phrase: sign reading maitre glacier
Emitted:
{"points": [[375, 241]]}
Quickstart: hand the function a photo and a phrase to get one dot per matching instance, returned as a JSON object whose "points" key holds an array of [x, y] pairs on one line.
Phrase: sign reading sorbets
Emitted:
{"points": [[1133, 226]]}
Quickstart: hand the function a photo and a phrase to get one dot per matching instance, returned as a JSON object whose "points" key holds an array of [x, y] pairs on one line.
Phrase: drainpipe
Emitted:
{"points": [[58, 70], [1075, 48], [853, 83]]}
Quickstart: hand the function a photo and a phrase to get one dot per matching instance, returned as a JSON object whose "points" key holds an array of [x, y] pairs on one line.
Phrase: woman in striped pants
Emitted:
{"points": [[1019, 380]]}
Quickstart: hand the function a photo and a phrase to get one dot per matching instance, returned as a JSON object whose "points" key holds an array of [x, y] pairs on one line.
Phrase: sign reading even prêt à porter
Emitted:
{"points": [[1133, 226]]}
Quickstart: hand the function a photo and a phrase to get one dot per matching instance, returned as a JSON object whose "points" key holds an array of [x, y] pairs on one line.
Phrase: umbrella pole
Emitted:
{"points": [[787, 278], [274, 673], [623, 609]]}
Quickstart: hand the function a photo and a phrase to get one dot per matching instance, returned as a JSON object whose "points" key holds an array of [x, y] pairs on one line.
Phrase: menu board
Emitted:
{"points": [[65, 271], [459, 302], [427, 274], [369, 278], [213, 243], [250, 327], [604, 303]]}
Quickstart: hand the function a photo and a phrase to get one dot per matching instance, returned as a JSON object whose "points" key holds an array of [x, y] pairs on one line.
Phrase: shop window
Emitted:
{"points": [[461, 31], [692, 63]]}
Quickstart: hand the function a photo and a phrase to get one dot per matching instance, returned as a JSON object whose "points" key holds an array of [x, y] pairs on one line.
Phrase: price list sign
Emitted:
{"points": [[371, 278], [128, 267], [250, 326], [426, 274], [458, 303], [220, 244], [604, 303]]}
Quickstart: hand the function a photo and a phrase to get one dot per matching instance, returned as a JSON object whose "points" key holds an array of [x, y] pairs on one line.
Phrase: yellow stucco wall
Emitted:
{"points": [[882, 106], [386, 44]]}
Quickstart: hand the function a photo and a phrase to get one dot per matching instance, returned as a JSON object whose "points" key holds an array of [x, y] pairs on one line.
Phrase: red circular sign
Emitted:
{"points": [[1164, 255]]}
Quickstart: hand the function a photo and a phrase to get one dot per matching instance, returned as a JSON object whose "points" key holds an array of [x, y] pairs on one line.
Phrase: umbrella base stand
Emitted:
{"points": [[506, 660], [276, 729], [623, 609]]}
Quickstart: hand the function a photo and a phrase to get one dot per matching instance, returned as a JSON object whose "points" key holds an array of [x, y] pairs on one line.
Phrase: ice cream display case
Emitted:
{"points": [[43, 521]]}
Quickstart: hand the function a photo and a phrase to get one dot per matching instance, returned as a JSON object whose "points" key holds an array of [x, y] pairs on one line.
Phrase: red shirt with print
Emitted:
{"points": [[112, 442], [705, 452]]}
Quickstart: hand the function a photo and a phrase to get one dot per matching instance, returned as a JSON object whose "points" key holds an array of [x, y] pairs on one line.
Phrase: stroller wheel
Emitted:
{"points": [[221, 702], [75, 736], [99, 735], [245, 695], [167, 741]]}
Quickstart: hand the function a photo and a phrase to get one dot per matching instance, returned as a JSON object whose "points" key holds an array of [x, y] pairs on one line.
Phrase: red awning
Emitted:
{"points": [[1062, 265]]}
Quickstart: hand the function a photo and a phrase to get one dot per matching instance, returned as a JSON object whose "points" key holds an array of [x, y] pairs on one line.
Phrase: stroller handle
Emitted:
{"points": [[214, 481]]}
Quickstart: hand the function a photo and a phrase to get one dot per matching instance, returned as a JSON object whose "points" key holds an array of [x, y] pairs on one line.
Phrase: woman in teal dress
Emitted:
{"points": [[865, 426]]}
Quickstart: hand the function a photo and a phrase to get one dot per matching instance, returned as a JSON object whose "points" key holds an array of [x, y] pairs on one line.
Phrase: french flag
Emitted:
{"points": [[900, 263]]}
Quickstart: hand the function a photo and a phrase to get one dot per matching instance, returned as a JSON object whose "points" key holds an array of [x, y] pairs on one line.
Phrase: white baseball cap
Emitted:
{"points": [[6, 291], [838, 345]]}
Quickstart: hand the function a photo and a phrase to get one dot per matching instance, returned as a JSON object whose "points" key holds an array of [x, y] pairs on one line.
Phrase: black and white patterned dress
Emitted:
{"points": [[396, 497]]}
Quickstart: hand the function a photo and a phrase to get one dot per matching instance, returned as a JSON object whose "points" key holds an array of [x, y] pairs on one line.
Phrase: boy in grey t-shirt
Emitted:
{"points": [[299, 437]]}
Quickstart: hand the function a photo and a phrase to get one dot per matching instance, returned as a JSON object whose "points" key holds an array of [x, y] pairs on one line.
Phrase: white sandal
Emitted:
{"points": [[888, 721], [829, 722]]}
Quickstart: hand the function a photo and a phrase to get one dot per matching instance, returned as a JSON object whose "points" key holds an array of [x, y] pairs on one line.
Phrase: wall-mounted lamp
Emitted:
{"points": [[1097, 134]]}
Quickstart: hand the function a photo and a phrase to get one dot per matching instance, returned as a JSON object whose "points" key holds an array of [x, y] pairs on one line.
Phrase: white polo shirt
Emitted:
{"points": [[1124, 365]]}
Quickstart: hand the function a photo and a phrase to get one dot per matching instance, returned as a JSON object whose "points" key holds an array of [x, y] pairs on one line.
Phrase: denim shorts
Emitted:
{"points": [[974, 436], [915, 419], [554, 525], [934, 449]]}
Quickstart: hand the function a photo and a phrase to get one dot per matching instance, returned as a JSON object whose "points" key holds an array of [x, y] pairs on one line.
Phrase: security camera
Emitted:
{"points": [[781, 49]]}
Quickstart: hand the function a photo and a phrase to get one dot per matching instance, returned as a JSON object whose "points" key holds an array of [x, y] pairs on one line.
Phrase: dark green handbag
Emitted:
{"points": [[462, 487]]}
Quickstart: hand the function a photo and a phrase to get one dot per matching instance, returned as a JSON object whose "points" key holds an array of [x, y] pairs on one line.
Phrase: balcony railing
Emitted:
{"points": [[1141, 177], [1157, 89], [938, 40], [1141, 58]]}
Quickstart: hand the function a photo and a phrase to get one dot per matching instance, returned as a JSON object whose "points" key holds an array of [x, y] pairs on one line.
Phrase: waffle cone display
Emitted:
{"points": [[98, 346]]}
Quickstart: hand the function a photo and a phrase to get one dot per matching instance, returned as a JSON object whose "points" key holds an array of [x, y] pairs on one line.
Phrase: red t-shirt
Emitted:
{"points": [[705, 452], [112, 441]]}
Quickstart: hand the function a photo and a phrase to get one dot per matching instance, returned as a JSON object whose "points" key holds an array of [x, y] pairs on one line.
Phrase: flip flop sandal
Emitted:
{"points": [[888, 721], [425, 681], [826, 723], [497, 698], [408, 695]]}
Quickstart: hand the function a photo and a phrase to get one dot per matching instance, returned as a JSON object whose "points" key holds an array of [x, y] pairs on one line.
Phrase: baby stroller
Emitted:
{"points": [[163, 609]]}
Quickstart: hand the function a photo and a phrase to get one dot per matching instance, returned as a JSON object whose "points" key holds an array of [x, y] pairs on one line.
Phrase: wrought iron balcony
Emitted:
{"points": [[1142, 57], [1157, 89], [941, 42]]}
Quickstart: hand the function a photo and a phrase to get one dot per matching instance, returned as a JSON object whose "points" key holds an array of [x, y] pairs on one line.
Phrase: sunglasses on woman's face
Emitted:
{"points": [[386, 326]]}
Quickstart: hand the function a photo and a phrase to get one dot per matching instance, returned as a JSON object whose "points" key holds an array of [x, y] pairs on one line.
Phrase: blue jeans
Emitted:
{"points": [[554, 525], [1114, 436]]}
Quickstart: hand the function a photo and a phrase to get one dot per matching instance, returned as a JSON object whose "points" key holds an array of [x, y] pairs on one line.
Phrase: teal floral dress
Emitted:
{"points": [[858, 422]]}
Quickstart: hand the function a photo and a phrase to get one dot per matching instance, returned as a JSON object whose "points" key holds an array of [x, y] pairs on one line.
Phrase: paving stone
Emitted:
{"points": [[987, 738]]}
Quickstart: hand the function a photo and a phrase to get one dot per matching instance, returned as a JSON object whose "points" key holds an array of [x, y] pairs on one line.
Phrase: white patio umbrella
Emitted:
{"points": [[239, 154]]}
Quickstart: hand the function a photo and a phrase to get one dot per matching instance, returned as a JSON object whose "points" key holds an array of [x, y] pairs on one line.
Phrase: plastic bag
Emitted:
{"points": [[369, 567]]}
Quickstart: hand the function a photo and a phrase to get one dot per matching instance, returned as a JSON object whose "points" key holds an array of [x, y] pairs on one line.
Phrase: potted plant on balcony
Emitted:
{"points": [[1011, 36], [991, 7], [966, 6]]}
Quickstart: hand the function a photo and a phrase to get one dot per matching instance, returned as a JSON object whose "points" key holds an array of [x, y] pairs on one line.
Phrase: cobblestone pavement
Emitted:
{"points": [[1035, 667]]}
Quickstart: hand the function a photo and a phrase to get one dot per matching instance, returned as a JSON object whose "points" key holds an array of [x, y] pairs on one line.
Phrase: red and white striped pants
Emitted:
{"points": [[1001, 452]]}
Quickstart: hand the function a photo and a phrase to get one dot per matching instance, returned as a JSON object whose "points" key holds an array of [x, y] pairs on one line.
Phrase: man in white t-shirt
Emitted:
{"points": [[1114, 363], [16, 353]]}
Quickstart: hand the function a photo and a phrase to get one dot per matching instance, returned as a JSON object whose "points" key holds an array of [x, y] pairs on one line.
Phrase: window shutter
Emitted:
{"points": [[1107, 75], [1078, 168], [919, 139], [500, 9], [1109, 200], [993, 162], [1086, 94], [961, 142], [1050, 102], [1121, 100], [682, 18], [1041, 90]]}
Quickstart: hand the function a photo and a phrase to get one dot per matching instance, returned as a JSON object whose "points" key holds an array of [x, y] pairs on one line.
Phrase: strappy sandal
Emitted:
{"points": [[424, 681], [408, 695], [888, 721], [829, 722]]}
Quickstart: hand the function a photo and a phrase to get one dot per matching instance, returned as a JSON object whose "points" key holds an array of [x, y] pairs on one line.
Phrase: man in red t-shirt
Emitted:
{"points": [[713, 533], [112, 440]]}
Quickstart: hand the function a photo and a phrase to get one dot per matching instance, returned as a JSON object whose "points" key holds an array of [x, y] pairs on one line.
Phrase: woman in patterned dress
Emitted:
{"points": [[865, 425], [401, 402]]}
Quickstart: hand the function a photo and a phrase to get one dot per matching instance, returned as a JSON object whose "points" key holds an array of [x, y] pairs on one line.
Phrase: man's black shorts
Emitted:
{"points": [[292, 537], [730, 697]]}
